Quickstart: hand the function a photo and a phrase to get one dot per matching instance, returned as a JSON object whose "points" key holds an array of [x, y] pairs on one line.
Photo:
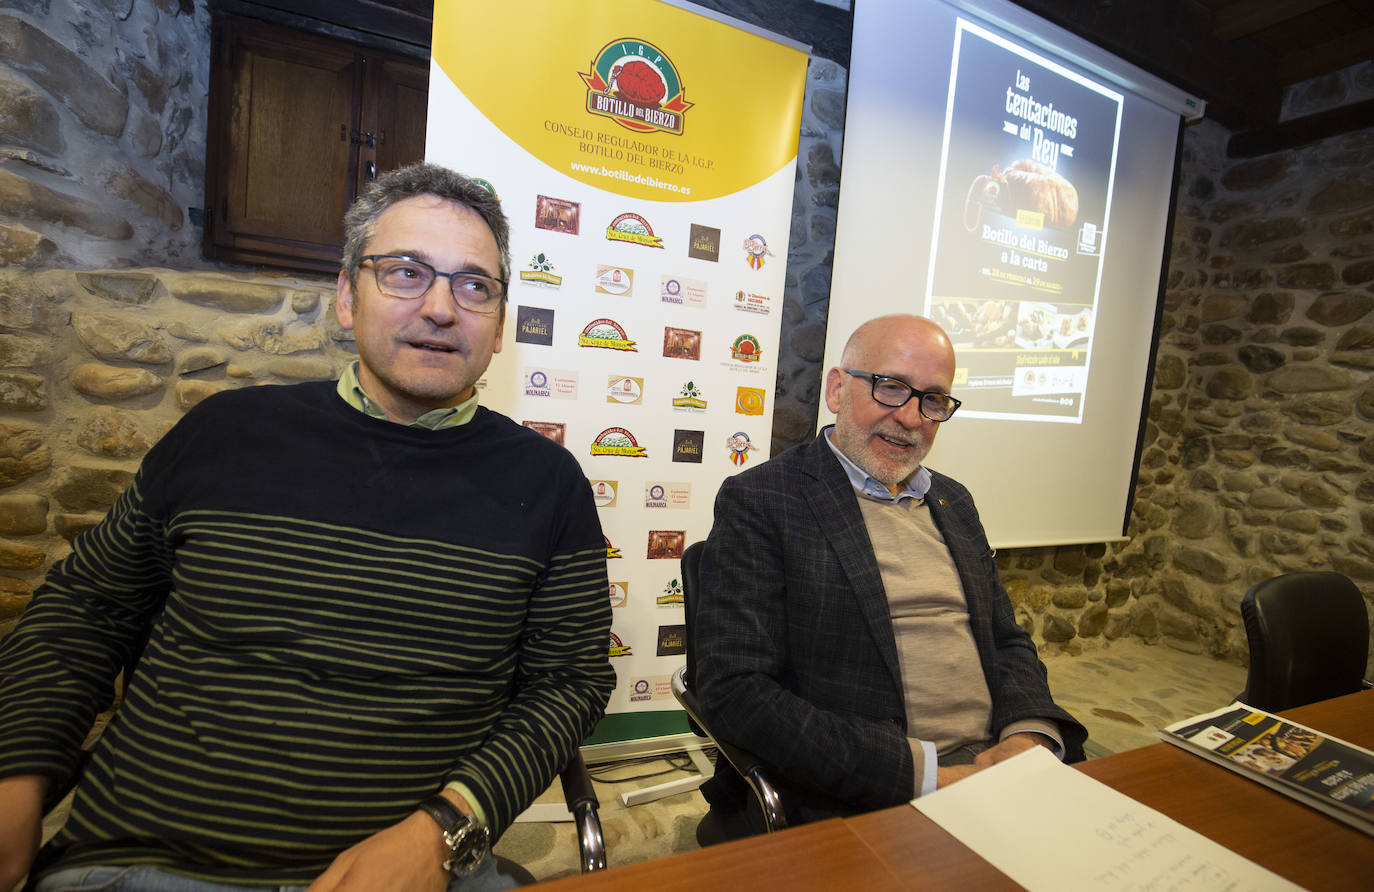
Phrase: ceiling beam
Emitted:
{"points": [[1339, 52], [1247, 17]]}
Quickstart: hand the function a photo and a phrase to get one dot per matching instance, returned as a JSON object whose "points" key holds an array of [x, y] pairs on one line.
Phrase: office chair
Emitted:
{"points": [[1309, 640], [745, 763]]}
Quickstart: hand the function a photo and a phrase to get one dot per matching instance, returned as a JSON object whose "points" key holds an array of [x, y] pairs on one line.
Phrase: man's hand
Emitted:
{"points": [[1016, 743], [946, 775], [406, 856], [21, 825]]}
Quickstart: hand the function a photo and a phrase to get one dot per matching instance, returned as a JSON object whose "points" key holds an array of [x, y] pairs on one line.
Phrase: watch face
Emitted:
{"points": [[468, 846]]}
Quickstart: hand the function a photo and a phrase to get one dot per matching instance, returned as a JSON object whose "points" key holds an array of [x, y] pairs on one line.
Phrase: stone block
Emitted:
{"points": [[69, 526], [1092, 621], [15, 595], [1339, 308], [190, 391], [1357, 337], [24, 514], [1194, 518], [1118, 625], [1260, 173], [198, 359], [302, 368], [1343, 193], [133, 288], [20, 392], [1308, 379], [1205, 564], [303, 303], [1323, 409], [27, 119], [21, 246], [64, 75], [111, 383], [221, 293], [1070, 597], [14, 556], [1056, 629], [89, 488], [1270, 308], [106, 431], [118, 337], [1259, 359], [23, 453], [28, 200], [151, 200]]}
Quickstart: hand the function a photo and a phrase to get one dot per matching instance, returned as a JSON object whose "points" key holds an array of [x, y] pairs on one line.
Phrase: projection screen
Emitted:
{"points": [[1013, 182]]}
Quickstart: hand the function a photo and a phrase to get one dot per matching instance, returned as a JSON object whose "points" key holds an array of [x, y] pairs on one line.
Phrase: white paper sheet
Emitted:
{"points": [[1050, 827]]}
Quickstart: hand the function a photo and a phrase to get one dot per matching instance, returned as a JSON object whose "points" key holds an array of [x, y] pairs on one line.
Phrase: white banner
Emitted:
{"points": [[645, 154]]}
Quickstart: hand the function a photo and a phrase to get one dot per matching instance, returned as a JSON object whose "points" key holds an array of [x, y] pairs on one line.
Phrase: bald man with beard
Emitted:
{"points": [[851, 629]]}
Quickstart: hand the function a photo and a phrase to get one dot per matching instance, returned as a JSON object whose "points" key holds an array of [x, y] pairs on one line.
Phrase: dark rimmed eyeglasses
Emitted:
{"points": [[895, 393], [408, 279]]}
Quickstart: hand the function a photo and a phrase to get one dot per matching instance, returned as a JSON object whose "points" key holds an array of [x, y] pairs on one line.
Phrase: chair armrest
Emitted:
{"points": [[745, 763], [582, 802]]}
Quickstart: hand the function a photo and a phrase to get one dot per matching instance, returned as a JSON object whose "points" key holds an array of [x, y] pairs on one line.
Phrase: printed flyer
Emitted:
{"points": [[1016, 260], [1325, 772], [645, 153]]}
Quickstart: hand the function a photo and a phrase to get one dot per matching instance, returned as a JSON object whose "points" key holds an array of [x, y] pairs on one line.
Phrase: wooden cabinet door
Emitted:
{"points": [[298, 124], [395, 108], [280, 155]]}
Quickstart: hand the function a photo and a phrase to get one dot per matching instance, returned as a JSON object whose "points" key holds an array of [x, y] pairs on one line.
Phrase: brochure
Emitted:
{"points": [[1324, 772]]}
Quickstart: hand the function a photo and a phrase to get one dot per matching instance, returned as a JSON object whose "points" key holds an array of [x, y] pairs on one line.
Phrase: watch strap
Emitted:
{"points": [[444, 813], [468, 842]]}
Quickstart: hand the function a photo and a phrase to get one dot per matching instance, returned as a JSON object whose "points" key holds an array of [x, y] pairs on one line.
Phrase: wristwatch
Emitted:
{"points": [[468, 842]]}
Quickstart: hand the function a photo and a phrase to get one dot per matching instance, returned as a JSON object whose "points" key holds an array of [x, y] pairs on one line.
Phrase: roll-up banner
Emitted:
{"points": [[645, 154]]}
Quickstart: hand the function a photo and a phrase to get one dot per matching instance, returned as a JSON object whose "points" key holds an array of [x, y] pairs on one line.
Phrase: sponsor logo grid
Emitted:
{"points": [[646, 331]]}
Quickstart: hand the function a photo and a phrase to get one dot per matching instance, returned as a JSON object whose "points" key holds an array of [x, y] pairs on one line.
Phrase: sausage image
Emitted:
{"points": [[1026, 186]]}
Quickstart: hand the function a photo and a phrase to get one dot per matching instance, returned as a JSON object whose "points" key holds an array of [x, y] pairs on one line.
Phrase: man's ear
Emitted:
{"points": [[343, 306], [834, 380], [500, 328]]}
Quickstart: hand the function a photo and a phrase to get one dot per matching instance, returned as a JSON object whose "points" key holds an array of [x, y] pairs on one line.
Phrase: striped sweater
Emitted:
{"points": [[346, 614]]}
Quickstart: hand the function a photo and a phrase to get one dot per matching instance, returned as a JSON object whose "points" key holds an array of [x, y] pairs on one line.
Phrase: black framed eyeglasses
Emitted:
{"points": [[408, 279], [896, 393]]}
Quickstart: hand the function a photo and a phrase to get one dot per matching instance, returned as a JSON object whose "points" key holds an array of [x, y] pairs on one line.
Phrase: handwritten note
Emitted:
{"points": [[1050, 828]]}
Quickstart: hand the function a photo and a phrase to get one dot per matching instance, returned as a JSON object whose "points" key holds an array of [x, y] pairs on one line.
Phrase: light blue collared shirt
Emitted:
{"points": [[916, 487]]}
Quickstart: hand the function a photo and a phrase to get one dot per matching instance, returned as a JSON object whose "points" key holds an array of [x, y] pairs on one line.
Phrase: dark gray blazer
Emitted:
{"points": [[795, 655]]}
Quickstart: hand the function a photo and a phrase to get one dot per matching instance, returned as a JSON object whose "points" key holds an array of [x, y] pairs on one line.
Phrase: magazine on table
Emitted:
{"points": [[1323, 771]]}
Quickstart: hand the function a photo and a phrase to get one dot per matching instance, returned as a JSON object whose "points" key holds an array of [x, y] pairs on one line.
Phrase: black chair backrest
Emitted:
{"points": [[1309, 639], [691, 584]]}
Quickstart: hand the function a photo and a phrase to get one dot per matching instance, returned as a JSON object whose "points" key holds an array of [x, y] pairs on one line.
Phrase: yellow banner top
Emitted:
{"points": [[636, 97]]}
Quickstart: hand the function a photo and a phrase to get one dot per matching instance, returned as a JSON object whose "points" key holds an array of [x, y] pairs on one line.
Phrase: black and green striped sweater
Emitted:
{"points": [[346, 614]]}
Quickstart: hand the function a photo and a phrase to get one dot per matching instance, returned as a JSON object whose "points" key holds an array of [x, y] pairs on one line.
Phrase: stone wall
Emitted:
{"points": [[111, 323], [1259, 452], [1260, 439]]}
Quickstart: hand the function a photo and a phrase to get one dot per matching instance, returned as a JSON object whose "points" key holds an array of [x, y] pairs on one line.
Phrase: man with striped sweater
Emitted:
{"points": [[369, 618]]}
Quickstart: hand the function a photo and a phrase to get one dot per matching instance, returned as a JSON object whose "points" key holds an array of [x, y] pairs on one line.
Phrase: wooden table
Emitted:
{"points": [[900, 848]]}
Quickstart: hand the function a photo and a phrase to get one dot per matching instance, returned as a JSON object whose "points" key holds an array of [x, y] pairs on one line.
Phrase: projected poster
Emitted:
{"points": [[1020, 234], [649, 190]]}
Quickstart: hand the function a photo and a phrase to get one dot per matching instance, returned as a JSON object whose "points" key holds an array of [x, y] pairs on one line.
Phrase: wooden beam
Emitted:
{"points": [[1306, 62], [1248, 16], [1301, 131]]}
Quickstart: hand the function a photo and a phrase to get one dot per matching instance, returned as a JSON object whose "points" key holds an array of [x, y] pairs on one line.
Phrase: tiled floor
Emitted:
{"points": [[1122, 692]]}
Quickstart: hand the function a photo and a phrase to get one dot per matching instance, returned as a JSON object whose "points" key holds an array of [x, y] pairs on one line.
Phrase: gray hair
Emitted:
{"points": [[421, 178]]}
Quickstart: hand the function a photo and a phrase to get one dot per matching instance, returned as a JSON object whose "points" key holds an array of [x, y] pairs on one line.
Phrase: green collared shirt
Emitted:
{"points": [[351, 389]]}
